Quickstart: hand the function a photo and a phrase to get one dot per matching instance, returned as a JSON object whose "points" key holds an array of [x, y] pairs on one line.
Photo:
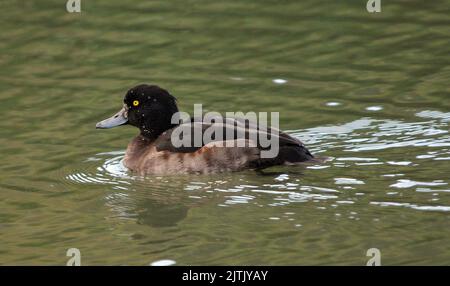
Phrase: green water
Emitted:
{"points": [[371, 91]]}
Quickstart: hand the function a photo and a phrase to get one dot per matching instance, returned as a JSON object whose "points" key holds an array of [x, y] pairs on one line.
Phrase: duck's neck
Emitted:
{"points": [[152, 133], [156, 123]]}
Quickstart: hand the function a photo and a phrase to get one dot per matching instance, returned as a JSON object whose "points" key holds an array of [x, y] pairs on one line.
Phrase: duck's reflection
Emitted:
{"points": [[155, 210], [158, 214], [166, 202]]}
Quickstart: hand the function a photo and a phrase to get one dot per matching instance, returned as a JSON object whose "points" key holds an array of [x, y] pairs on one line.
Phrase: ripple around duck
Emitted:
{"points": [[366, 137], [103, 168]]}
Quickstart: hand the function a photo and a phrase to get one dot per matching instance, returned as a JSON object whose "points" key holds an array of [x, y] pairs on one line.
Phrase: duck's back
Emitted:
{"points": [[161, 156]]}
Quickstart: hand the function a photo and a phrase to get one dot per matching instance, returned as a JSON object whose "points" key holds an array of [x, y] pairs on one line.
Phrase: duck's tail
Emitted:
{"points": [[289, 155]]}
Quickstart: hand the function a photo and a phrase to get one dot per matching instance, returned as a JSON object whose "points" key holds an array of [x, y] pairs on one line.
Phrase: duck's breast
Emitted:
{"points": [[214, 157]]}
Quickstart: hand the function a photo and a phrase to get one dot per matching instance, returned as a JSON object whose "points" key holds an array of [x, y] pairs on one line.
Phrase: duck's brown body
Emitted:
{"points": [[142, 156], [151, 109]]}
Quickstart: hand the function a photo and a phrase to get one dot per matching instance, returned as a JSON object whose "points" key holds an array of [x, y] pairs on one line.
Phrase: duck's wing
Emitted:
{"points": [[246, 123], [291, 149], [236, 128]]}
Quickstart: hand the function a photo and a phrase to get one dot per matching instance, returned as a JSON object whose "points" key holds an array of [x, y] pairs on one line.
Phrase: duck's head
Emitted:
{"points": [[148, 107]]}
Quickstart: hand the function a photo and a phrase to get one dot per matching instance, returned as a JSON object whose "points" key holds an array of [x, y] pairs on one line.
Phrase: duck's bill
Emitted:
{"points": [[120, 118]]}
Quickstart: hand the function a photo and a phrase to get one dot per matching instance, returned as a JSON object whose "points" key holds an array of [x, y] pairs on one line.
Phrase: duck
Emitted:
{"points": [[152, 110]]}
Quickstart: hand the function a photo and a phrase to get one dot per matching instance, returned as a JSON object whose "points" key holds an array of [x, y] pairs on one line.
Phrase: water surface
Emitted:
{"points": [[369, 91]]}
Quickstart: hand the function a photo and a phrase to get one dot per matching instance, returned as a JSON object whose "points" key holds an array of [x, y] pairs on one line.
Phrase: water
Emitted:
{"points": [[369, 91]]}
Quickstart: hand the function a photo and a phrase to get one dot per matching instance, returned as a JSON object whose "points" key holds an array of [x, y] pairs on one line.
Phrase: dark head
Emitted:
{"points": [[148, 107]]}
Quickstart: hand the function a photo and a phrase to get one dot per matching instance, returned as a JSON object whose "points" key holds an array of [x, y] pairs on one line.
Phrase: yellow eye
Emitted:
{"points": [[136, 103]]}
